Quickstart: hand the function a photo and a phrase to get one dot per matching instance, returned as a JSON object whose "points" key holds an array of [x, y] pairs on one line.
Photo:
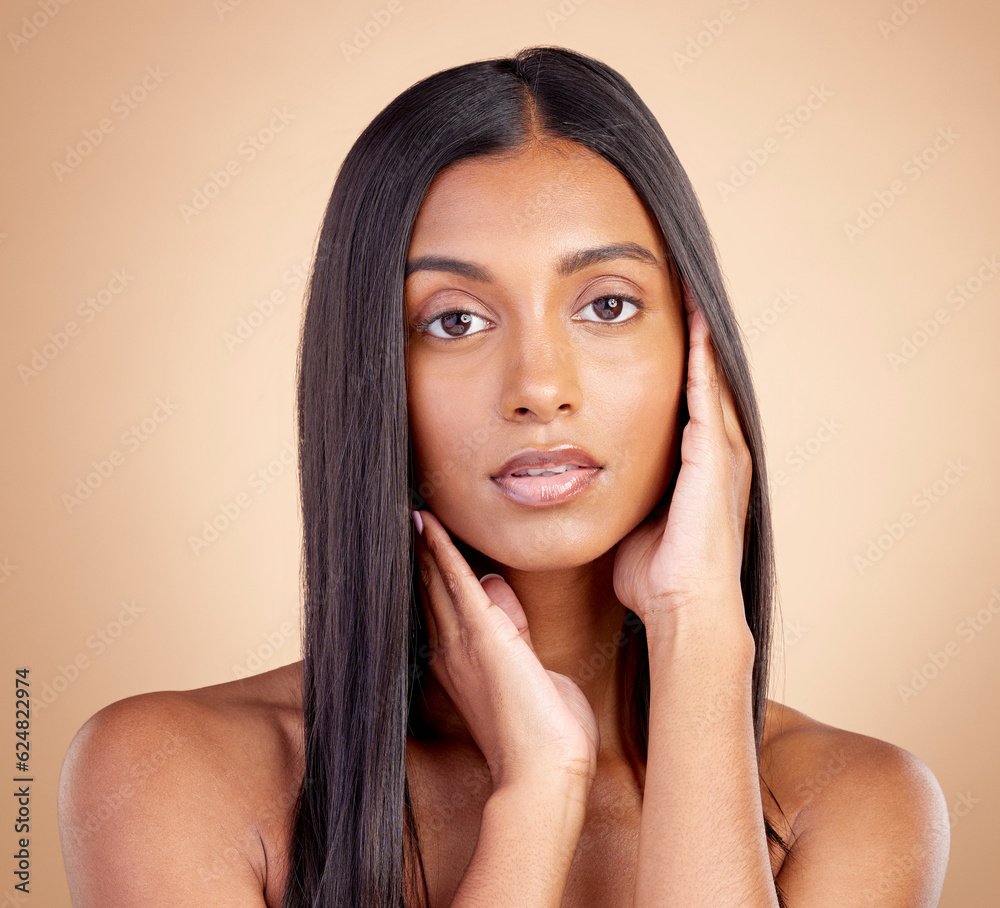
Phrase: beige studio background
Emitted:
{"points": [[845, 154]]}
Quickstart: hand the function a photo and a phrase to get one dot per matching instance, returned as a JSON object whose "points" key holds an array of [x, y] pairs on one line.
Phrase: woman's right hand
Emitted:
{"points": [[526, 719]]}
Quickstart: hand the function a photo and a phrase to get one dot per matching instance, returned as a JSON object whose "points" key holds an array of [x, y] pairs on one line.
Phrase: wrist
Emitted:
{"points": [[697, 632], [561, 774], [560, 780], [559, 797]]}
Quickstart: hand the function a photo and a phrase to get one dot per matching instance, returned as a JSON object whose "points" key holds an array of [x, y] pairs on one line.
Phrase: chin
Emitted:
{"points": [[538, 549]]}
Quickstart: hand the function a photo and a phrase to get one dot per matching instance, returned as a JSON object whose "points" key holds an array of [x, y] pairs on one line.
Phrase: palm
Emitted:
{"points": [[695, 548], [522, 716], [571, 724], [661, 558]]}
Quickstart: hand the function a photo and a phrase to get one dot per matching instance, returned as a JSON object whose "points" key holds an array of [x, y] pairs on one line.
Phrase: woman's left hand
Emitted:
{"points": [[685, 565]]}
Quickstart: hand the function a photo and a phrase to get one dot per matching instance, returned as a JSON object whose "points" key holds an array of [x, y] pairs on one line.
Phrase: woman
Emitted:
{"points": [[555, 384]]}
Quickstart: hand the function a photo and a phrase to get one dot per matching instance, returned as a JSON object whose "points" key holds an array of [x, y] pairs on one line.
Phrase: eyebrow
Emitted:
{"points": [[567, 265]]}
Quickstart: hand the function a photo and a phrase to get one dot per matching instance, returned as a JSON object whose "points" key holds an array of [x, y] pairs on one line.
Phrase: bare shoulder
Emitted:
{"points": [[868, 819], [181, 797]]}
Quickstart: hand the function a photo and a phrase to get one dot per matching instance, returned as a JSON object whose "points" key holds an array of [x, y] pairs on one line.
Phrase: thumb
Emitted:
{"points": [[502, 596]]}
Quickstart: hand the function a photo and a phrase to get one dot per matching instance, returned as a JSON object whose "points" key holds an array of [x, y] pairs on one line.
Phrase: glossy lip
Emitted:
{"points": [[543, 491], [542, 458]]}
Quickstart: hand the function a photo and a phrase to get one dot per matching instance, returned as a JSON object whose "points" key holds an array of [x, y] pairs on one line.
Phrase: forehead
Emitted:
{"points": [[554, 189]]}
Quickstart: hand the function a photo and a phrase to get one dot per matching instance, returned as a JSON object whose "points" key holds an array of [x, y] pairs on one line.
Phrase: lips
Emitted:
{"points": [[539, 459]]}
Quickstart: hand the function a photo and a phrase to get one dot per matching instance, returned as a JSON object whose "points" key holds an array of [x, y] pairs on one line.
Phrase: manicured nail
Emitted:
{"points": [[418, 521], [487, 577]]}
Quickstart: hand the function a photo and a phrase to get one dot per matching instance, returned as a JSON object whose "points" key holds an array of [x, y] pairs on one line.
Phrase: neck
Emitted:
{"points": [[575, 621]]}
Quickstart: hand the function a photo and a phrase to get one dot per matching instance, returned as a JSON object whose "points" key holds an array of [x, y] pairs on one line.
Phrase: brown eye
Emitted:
{"points": [[610, 307], [454, 324]]}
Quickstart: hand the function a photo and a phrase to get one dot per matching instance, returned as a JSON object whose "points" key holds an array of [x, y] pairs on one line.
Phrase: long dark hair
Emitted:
{"points": [[364, 646]]}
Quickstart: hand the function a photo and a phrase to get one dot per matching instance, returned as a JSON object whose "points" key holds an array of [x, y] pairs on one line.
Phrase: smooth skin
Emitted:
{"points": [[504, 650], [680, 560], [536, 366], [184, 798]]}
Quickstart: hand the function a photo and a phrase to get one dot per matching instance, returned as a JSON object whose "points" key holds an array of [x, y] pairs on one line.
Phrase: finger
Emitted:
{"points": [[504, 598], [690, 306], [453, 580], [704, 401], [742, 462], [727, 402], [437, 604], [719, 387], [429, 622], [711, 402]]}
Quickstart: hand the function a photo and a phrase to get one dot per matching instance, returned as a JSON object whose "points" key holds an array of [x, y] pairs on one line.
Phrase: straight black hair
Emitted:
{"points": [[364, 641]]}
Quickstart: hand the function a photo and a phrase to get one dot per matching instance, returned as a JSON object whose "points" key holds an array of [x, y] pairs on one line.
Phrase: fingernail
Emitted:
{"points": [[418, 522], [487, 577]]}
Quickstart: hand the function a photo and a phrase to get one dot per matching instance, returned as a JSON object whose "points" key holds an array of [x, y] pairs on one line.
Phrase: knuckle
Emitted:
{"points": [[458, 664], [426, 574], [469, 649], [452, 582]]}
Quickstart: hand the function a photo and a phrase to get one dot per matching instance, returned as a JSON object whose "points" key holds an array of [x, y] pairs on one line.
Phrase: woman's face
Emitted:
{"points": [[540, 347]]}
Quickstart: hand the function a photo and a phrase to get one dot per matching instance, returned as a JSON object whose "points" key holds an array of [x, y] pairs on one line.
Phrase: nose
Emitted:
{"points": [[541, 378]]}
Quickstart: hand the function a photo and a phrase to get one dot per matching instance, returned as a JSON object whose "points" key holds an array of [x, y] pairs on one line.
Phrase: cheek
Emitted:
{"points": [[643, 421], [441, 422]]}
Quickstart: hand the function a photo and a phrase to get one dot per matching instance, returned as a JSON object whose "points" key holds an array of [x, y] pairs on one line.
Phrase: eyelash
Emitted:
{"points": [[421, 327]]}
